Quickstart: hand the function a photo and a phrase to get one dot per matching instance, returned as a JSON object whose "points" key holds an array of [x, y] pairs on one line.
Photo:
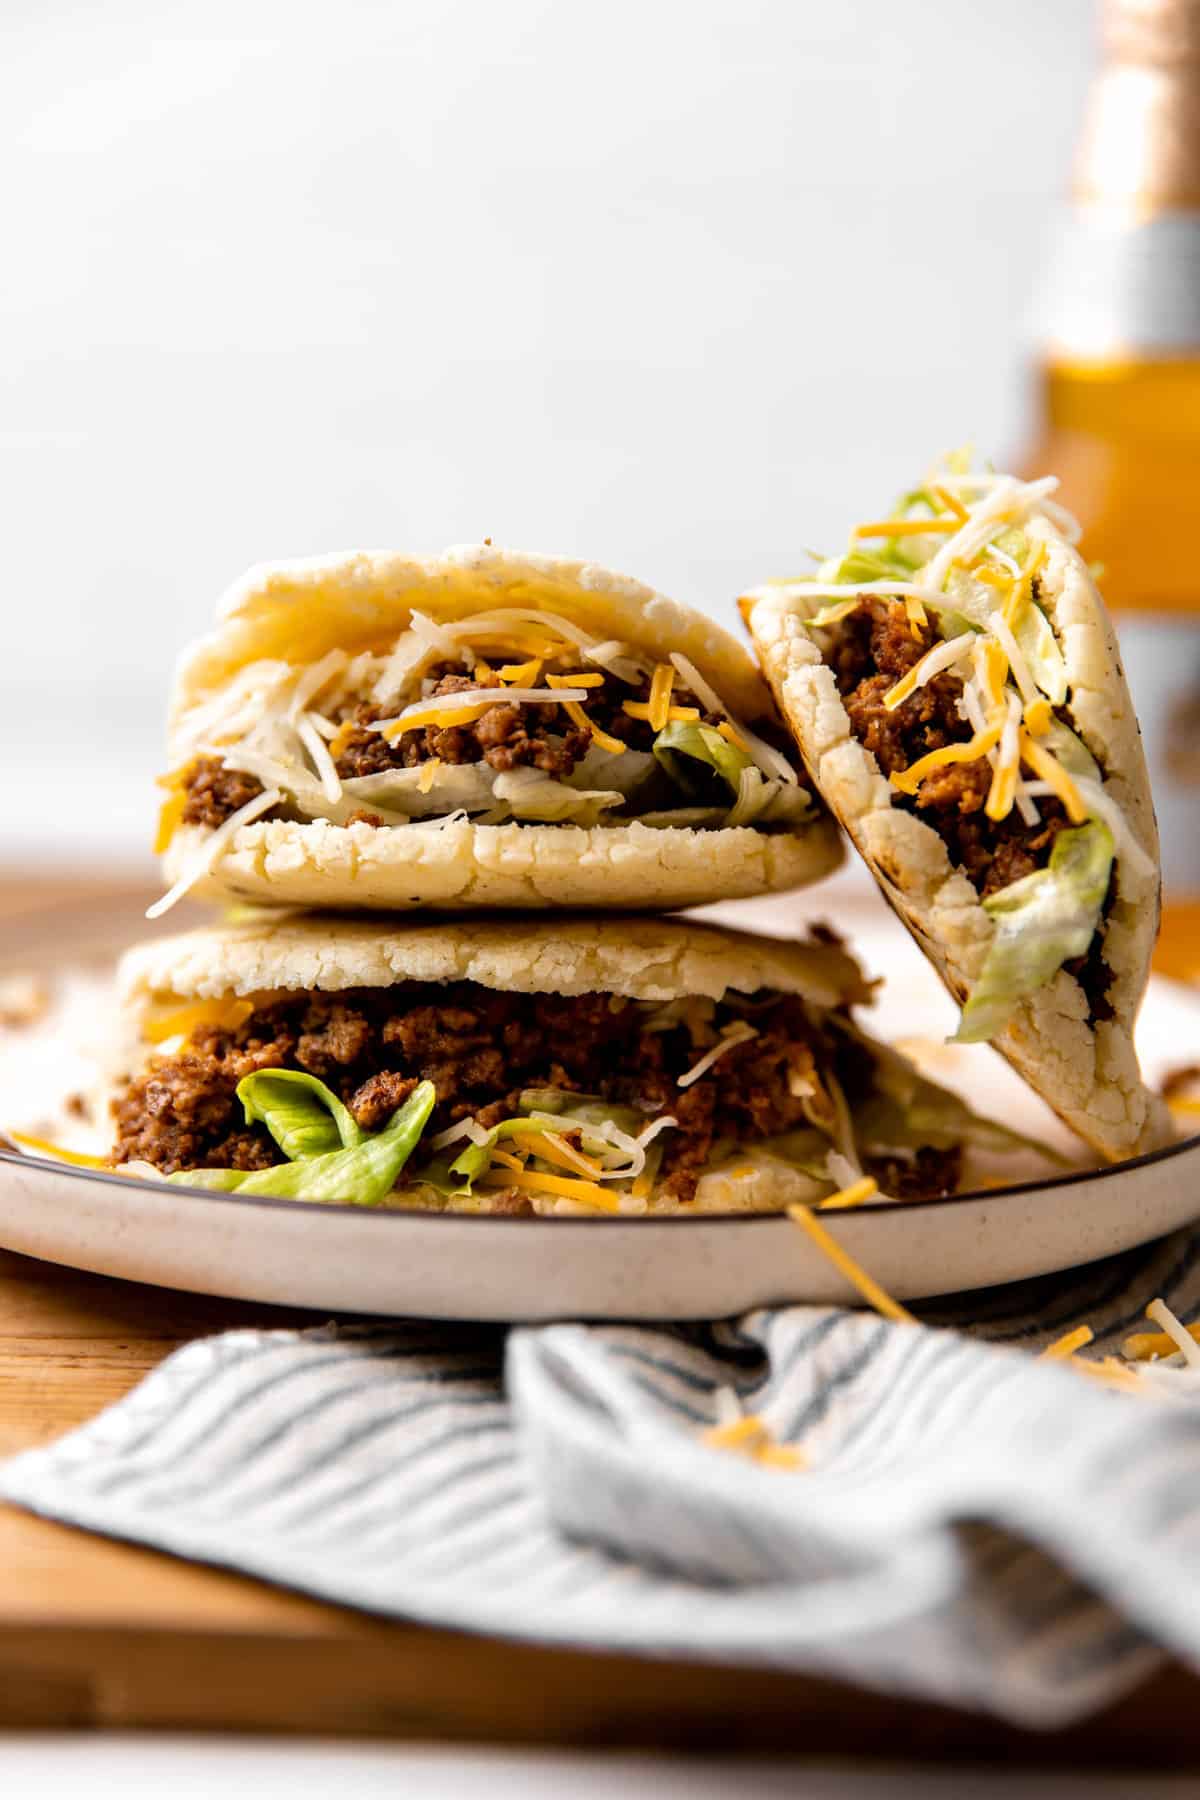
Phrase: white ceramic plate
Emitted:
{"points": [[345, 1259]]}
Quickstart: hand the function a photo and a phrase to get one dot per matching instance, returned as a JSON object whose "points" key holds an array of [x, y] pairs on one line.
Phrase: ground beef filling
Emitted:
{"points": [[507, 736], [876, 647], [214, 793], [480, 1048]]}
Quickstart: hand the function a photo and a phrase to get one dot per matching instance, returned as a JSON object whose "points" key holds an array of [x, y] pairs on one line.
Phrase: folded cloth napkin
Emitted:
{"points": [[971, 1525]]}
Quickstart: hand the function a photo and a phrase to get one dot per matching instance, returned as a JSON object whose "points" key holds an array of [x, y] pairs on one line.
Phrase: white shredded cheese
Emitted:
{"points": [[465, 1128], [708, 697], [437, 636], [211, 852], [1176, 1330], [1002, 632], [733, 1035], [314, 743], [312, 680]]}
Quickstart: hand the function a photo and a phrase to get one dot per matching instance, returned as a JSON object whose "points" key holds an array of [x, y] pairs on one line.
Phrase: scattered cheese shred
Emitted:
{"points": [[909, 780], [341, 739], [589, 1192], [554, 1149], [854, 1195], [731, 734], [643, 1186], [905, 527], [508, 1160], [43, 1147], [213, 849], [226, 1014], [1068, 1344], [1055, 776], [1003, 787], [170, 817], [1176, 1330], [750, 1436], [740, 1033], [951, 502], [428, 775], [524, 674], [1038, 714], [943, 654], [578, 717], [1143, 1345], [866, 1284], [575, 681], [661, 683], [918, 618]]}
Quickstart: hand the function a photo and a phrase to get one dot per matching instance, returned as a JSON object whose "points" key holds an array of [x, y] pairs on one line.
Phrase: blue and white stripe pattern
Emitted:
{"points": [[973, 1526]]}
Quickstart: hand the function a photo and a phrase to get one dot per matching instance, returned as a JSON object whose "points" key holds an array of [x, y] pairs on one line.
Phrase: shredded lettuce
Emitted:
{"points": [[1042, 921], [891, 563], [1071, 751], [1039, 645], [362, 1173], [906, 1112], [303, 1116], [691, 754]]}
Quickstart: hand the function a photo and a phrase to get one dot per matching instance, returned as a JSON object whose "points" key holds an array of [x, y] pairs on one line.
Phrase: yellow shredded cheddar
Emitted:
{"points": [[170, 817], [909, 780], [522, 674], [575, 681], [460, 715], [578, 717], [994, 672], [1052, 771], [841, 1259], [750, 1436], [729, 732], [643, 1185], [588, 1191], [225, 1014], [45, 1148], [854, 1195], [429, 770], [918, 618], [341, 738], [1038, 714], [1142, 1345], [951, 502], [509, 1161], [1068, 1344], [661, 683], [479, 667], [554, 1149], [887, 528]]}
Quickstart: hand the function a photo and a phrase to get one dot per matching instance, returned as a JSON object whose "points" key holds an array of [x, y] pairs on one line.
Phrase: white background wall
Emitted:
{"points": [[680, 285]]}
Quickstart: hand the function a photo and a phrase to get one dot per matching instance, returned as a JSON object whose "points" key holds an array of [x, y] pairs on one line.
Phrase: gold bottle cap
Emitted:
{"points": [[1140, 149]]}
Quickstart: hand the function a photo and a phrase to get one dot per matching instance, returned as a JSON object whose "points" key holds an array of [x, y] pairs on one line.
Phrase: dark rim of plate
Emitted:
{"points": [[1072, 1179]]}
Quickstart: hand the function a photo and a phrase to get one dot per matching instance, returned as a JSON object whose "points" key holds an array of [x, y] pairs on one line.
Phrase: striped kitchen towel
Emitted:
{"points": [[970, 1525]]}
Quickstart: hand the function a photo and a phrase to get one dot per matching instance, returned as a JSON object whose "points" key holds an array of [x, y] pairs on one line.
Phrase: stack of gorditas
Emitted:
{"points": [[444, 804]]}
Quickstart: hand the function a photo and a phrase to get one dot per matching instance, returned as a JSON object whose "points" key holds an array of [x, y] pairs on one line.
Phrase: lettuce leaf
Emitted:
{"points": [[1047, 664], [906, 1111], [692, 754], [1042, 921], [360, 1174], [300, 1112]]}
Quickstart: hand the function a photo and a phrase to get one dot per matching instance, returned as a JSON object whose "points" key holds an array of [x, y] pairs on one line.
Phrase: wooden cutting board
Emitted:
{"points": [[97, 1633]]}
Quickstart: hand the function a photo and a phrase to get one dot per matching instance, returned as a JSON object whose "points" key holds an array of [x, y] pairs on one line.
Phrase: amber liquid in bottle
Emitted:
{"points": [[1119, 399]]}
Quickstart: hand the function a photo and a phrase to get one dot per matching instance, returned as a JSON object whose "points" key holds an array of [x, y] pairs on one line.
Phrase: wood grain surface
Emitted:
{"points": [[97, 1633]]}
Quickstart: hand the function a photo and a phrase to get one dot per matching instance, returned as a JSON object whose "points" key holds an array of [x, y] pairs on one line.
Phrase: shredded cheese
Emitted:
{"points": [[1003, 787], [942, 656], [733, 1035], [1142, 1346], [227, 1014], [909, 780], [211, 852], [1056, 777], [314, 743], [523, 674], [1015, 655], [42, 1147], [589, 1192], [170, 817], [576, 681], [1176, 1330], [1068, 1344], [1038, 715], [554, 1149], [694, 681], [854, 1195], [661, 683], [508, 1161], [841, 1259], [894, 528], [341, 739], [749, 1435], [733, 736]]}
